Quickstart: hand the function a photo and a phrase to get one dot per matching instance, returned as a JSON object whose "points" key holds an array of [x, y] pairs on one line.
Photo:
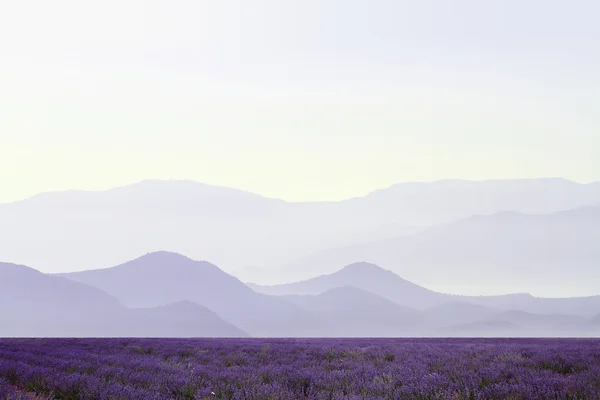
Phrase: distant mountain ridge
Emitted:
{"points": [[491, 250], [353, 312], [40, 305], [365, 276], [166, 294], [385, 283], [162, 278], [177, 320], [57, 231]]}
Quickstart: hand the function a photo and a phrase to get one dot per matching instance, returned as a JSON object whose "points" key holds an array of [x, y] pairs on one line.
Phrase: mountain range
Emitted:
{"points": [[165, 294], [439, 234], [33, 304], [374, 279], [386, 264], [550, 253], [162, 278], [354, 312]]}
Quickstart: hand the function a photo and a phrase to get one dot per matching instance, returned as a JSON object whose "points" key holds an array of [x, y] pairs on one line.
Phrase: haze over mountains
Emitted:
{"points": [[35, 304], [167, 294], [508, 251], [453, 235], [355, 312], [163, 278], [364, 276], [391, 263], [374, 279]]}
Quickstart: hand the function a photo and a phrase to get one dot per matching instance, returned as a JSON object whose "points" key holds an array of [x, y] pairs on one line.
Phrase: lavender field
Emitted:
{"points": [[299, 369]]}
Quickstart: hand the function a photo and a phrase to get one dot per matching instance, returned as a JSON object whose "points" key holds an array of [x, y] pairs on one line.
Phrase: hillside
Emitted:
{"points": [[353, 312], [40, 305], [365, 276], [162, 278], [374, 279], [553, 254]]}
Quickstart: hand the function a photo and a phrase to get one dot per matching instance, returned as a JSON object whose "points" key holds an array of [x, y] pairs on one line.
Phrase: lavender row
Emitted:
{"points": [[299, 369]]}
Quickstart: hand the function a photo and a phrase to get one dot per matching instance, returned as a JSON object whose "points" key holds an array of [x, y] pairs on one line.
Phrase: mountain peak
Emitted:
{"points": [[163, 255], [168, 261], [10, 271], [366, 270], [362, 266], [157, 262]]}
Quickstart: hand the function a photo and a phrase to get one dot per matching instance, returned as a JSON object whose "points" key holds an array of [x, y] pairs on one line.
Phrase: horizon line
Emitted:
{"points": [[191, 181]]}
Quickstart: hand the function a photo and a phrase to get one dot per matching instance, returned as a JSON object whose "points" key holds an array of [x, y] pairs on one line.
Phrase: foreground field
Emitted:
{"points": [[299, 369]]}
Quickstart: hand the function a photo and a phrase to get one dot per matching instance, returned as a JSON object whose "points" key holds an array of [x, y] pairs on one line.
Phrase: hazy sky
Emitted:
{"points": [[297, 99]]}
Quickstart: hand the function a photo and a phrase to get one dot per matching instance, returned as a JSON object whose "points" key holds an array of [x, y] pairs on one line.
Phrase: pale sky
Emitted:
{"points": [[296, 99]]}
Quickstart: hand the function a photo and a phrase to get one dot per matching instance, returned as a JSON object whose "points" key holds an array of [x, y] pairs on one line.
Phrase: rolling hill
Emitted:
{"points": [[36, 304], [365, 276], [182, 319], [506, 252], [387, 284], [168, 295], [162, 278], [353, 312]]}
